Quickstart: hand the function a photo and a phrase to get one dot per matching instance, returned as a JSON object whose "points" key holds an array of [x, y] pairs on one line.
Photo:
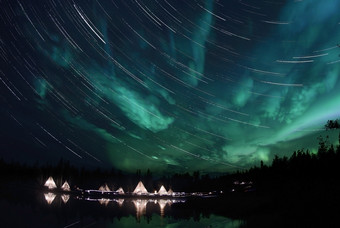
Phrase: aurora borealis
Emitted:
{"points": [[168, 85]]}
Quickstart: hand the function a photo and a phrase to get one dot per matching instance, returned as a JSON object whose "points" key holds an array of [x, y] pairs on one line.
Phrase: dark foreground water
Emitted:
{"points": [[24, 206], [32, 208]]}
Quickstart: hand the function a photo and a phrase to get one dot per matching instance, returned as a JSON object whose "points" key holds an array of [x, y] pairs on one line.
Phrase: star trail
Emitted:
{"points": [[169, 85]]}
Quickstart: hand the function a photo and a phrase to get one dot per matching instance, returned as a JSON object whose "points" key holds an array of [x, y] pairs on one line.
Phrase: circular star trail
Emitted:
{"points": [[168, 85]]}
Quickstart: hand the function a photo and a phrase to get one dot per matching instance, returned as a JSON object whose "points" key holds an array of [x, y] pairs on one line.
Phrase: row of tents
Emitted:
{"points": [[105, 188], [139, 190], [50, 184]]}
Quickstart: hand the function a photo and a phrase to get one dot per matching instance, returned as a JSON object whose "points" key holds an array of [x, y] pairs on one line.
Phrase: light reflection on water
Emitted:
{"points": [[65, 198], [49, 197], [48, 209], [158, 218], [158, 221], [139, 204]]}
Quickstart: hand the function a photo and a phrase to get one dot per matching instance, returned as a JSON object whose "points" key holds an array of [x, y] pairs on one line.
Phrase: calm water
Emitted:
{"points": [[38, 209]]}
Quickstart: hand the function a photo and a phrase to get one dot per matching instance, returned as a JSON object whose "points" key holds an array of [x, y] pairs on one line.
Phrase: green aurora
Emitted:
{"points": [[172, 86]]}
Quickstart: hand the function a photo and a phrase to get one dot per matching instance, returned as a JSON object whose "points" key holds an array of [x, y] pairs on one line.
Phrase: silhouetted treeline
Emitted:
{"points": [[333, 124], [301, 171]]}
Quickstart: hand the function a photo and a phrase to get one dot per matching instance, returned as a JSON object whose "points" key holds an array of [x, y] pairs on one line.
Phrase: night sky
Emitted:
{"points": [[169, 85]]}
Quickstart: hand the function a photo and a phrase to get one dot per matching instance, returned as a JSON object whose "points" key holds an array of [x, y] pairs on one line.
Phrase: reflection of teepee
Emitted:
{"points": [[103, 201], [104, 188], [50, 183], [120, 202], [140, 189], [66, 186], [65, 197], [49, 197], [140, 206], [162, 191], [120, 191], [162, 203]]}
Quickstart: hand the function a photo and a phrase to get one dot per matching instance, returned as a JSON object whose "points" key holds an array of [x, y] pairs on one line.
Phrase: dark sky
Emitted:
{"points": [[169, 85]]}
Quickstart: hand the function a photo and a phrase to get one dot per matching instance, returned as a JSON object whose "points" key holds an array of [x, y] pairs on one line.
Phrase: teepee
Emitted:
{"points": [[50, 183], [140, 189], [120, 191], [170, 192], [104, 188], [66, 186], [162, 191]]}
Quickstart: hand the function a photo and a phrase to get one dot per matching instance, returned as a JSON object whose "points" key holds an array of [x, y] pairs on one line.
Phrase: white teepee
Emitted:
{"points": [[170, 192], [66, 186], [120, 191], [104, 188], [140, 189], [162, 191], [50, 183]]}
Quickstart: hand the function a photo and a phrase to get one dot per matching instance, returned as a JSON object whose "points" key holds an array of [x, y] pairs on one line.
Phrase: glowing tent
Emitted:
{"points": [[104, 188], [170, 192], [140, 189], [120, 191], [162, 191], [50, 183], [66, 186]]}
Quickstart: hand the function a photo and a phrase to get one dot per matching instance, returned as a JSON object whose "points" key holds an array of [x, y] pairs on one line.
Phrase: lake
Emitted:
{"points": [[33, 208], [23, 205]]}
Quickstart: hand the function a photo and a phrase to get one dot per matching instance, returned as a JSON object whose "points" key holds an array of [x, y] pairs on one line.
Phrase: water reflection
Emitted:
{"points": [[119, 201], [49, 197], [157, 221], [162, 203], [140, 205], [65, 198], [146, 212], [104, 201]]}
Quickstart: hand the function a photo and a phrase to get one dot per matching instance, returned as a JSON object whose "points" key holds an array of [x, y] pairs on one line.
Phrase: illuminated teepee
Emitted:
{"points": [[120, 191], [162, 191], [170, 192], [66, 186], [140, 189], [50, 183], [104, 188]]}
